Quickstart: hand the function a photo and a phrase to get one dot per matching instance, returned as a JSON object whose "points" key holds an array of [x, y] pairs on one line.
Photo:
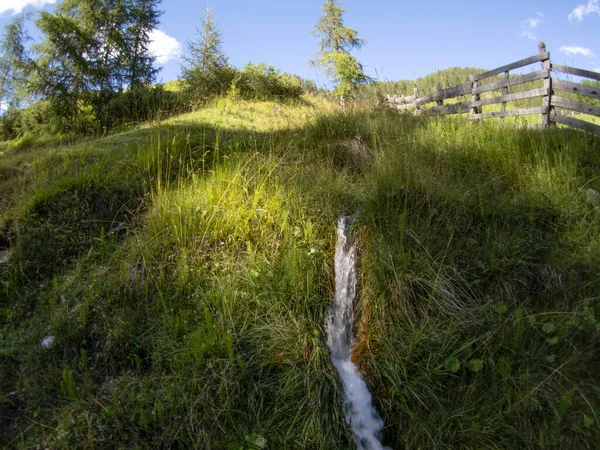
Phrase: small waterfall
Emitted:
{"points": [[365, 422]]}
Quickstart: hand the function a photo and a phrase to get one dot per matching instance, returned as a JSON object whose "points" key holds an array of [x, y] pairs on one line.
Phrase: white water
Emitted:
{"points": [[365, 422]]}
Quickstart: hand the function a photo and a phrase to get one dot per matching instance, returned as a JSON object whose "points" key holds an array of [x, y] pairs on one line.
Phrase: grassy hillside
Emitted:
{"points": [[184, 269]]}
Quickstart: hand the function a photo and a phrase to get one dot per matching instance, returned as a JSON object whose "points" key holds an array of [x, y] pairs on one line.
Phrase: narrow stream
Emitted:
{"points": [[365, 422]]}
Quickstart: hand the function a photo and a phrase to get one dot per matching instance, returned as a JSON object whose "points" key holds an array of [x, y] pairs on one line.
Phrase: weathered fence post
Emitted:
{"points": [[438, 88], [504, 92], [547, 116], [417, 107], [474, 97]]}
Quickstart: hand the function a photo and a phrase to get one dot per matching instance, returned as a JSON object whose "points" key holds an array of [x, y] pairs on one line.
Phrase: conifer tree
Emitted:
{"points": [[143, 17], [91, 49], [111, 18], [206, 71], [336, 43], [205, 53], [65, 71], [14, 62]]}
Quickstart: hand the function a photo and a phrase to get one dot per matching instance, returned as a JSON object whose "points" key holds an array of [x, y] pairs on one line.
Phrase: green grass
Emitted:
{"points": [[185, 269]]}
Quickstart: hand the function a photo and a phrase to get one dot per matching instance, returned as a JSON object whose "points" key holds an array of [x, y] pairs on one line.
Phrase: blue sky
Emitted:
{"points": [[406, 40]]}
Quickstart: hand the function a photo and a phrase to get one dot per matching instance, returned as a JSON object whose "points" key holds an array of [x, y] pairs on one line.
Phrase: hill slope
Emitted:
{"points": [[184, 270]]}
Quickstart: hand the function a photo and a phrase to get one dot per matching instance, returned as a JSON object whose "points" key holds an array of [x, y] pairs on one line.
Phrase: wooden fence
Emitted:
{"points": [[551, 104]]}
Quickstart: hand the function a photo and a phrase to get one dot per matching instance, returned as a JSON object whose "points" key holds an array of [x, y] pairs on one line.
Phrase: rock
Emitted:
{"points": [[48, 341], [358, 151], [593, 196], [4, 255], [352, 153]]}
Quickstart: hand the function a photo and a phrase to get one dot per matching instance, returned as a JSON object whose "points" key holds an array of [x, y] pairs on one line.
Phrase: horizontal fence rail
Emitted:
{"points": [[580, 99]]}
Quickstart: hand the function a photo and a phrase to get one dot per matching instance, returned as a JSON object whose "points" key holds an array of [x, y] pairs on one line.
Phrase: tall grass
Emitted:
{"points": [[192, 272]]}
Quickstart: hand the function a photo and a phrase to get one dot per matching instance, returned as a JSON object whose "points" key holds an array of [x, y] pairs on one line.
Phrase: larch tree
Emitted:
{"points": [[65, 70], [91, 49], [14, 62], [143, 17], [334, 49]]}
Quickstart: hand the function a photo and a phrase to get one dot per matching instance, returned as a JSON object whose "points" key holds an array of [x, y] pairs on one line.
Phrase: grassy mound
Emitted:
{"points": [[184, 270]]}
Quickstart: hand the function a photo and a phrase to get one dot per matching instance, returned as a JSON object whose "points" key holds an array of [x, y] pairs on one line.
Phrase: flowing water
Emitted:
{"points": [[365, 422]]}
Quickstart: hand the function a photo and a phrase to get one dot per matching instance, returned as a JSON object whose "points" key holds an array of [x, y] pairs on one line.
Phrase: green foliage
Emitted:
{"points": [[207, 73], [336, 43], [452, 364], [92, 49], [67, 383], [348, 72], [38, 119], [10, 125], [263, 82], [14, 62], [205, 54], [588, 100], [139, 105], [203, 85], [143, 17], [62, 73], [475, 365], [448, 77]]}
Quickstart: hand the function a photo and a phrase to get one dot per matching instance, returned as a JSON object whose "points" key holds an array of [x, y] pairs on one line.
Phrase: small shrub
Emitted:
{"points": [[202, 85], [139, 105], [10, 125], [38, 119], [262, 82]]}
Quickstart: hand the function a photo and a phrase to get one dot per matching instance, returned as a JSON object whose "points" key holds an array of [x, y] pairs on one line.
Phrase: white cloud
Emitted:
{"points": [[16, 6], [576, 50], [581, 11], [529, 35], [596, 69], [531, 24], [163, 46]]}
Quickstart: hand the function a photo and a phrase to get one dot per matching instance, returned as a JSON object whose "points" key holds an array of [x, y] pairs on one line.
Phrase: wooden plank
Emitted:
{"points": [[451, 92], [576, 123], [454, 91], [514, 112], [524, 62], [511, 97], [399, 99], [452, 108], [425, 99], [514, 81], [573, 105], [403, 106], [576, 88], [577, 72]]}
